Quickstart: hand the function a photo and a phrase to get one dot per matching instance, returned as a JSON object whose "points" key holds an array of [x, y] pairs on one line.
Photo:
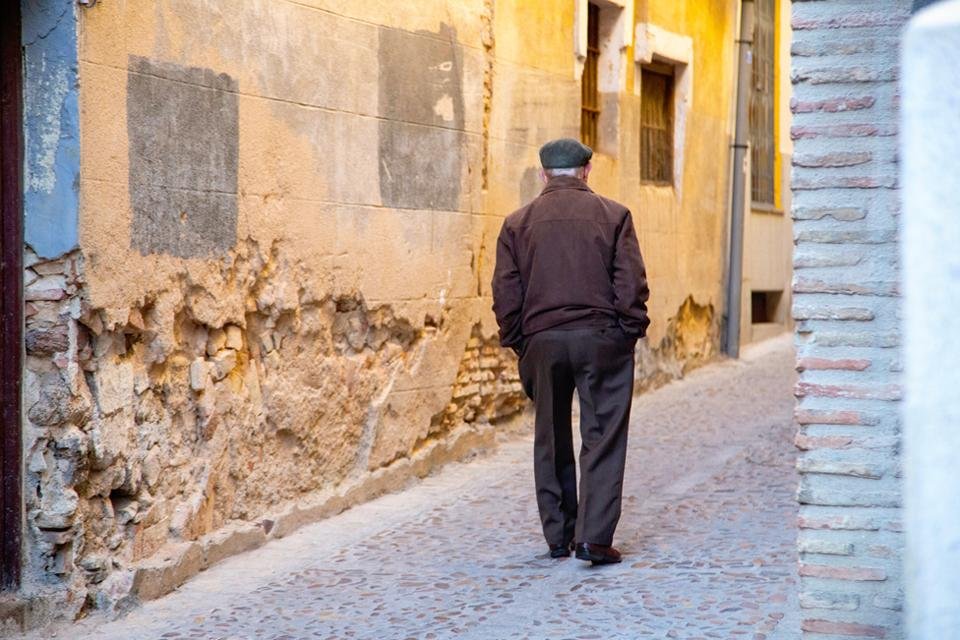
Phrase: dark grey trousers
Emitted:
{"points": [[598, 363]]}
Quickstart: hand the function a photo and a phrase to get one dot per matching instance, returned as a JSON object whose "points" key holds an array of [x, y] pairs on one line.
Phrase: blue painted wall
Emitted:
{"points": [[51, 126]]}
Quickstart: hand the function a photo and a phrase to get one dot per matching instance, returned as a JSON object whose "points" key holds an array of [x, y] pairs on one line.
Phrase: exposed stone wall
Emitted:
{"points": [[488, 386], [847, 308], [158, 430]]}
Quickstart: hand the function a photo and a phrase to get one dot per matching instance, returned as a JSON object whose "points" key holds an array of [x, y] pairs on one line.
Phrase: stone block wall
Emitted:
{"points": [[848, 312]]}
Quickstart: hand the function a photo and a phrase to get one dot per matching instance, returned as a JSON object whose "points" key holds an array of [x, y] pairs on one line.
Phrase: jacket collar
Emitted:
{"points": [[565, 182]]}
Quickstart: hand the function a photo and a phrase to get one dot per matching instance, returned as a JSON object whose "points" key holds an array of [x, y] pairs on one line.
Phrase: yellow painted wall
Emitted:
{"points": [[685, 238], [301, 62], [360, 303]]}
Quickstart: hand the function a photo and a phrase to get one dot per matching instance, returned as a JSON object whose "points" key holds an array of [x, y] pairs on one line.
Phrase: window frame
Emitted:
{"points": [[764, 166], [590, 81], [668, 71]]}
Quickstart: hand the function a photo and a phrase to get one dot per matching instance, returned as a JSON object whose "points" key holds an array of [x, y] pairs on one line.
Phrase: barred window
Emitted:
{"points": [[656, 123], [589, 86], [762, 149]]}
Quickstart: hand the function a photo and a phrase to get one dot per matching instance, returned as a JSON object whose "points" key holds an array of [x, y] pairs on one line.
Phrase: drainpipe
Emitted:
{"points": [[731, 338]]}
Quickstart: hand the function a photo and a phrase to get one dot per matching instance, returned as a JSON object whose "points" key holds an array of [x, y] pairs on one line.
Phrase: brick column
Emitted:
{"points": [[931, 260], [847, 309]]}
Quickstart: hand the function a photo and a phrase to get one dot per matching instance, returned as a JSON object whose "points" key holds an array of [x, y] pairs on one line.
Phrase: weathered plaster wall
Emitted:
{"points": [[280, 304]]}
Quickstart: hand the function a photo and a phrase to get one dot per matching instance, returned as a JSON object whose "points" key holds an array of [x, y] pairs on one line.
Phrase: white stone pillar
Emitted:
{"points": [[930, 144]]}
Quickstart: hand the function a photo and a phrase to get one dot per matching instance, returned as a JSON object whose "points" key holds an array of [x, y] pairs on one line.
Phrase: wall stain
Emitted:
{"points": [[421, 136], [186, 207]]}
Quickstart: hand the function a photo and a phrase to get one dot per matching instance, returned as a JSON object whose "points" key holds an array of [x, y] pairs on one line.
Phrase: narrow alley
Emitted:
{"points": [[708, 534], [263, 265]]}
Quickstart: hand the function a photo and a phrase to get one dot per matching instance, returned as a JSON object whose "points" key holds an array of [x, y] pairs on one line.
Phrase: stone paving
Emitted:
{"points": [[708, 534]]}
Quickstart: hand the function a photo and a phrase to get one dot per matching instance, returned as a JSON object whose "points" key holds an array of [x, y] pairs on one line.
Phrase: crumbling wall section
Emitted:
{"points": [[175, 423], [690, 340], [487, 385]]}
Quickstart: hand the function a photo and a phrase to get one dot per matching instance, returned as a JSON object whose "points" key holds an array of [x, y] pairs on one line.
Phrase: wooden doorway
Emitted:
{"points": [[11, 293]]}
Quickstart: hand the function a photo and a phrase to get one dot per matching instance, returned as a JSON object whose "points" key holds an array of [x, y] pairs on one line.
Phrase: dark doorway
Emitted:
{"points": [[11, 292]]}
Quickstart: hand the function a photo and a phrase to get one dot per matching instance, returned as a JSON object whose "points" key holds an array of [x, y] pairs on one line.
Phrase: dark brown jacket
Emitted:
{"points": [[569, 259]]}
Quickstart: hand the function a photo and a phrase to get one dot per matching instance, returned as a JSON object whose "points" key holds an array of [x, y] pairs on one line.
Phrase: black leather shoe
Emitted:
{"points": [[597, 553], [561, 550]]}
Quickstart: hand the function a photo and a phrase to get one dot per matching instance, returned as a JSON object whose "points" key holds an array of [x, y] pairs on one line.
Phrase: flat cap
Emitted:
{"points": [[564, 153]]}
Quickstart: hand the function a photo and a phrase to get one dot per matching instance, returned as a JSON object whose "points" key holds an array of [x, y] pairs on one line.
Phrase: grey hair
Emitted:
{"points": [[566, 171]]}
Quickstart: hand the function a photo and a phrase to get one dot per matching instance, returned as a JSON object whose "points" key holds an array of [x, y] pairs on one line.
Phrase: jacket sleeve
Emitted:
{"points": [[508, 293], [630, 281]]}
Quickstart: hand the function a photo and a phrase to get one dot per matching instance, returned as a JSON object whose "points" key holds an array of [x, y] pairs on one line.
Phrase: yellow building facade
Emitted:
{"points": [[288, 209]]}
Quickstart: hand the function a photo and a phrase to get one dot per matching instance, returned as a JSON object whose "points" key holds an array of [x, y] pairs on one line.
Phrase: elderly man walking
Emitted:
{"points": [[570, 293]]}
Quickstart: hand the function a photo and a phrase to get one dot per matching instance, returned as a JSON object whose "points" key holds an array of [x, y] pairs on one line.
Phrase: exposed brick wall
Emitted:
{"points": [[487, 386], [847, 308]]}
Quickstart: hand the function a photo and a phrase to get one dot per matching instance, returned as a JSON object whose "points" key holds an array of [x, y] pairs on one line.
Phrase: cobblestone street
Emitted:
{"points": [[708, 535]]}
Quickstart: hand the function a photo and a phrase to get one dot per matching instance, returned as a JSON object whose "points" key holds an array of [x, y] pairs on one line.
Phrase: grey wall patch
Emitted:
{"points": [[182, 126], [421, 101]]}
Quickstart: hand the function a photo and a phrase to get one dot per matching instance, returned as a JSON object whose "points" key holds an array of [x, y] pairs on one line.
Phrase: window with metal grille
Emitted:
{"points": [[656, 123], [589, 86], [762, 96]]}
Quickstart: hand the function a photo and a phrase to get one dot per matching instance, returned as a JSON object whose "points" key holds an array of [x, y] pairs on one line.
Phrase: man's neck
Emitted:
{"points": [[566, 182]]}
